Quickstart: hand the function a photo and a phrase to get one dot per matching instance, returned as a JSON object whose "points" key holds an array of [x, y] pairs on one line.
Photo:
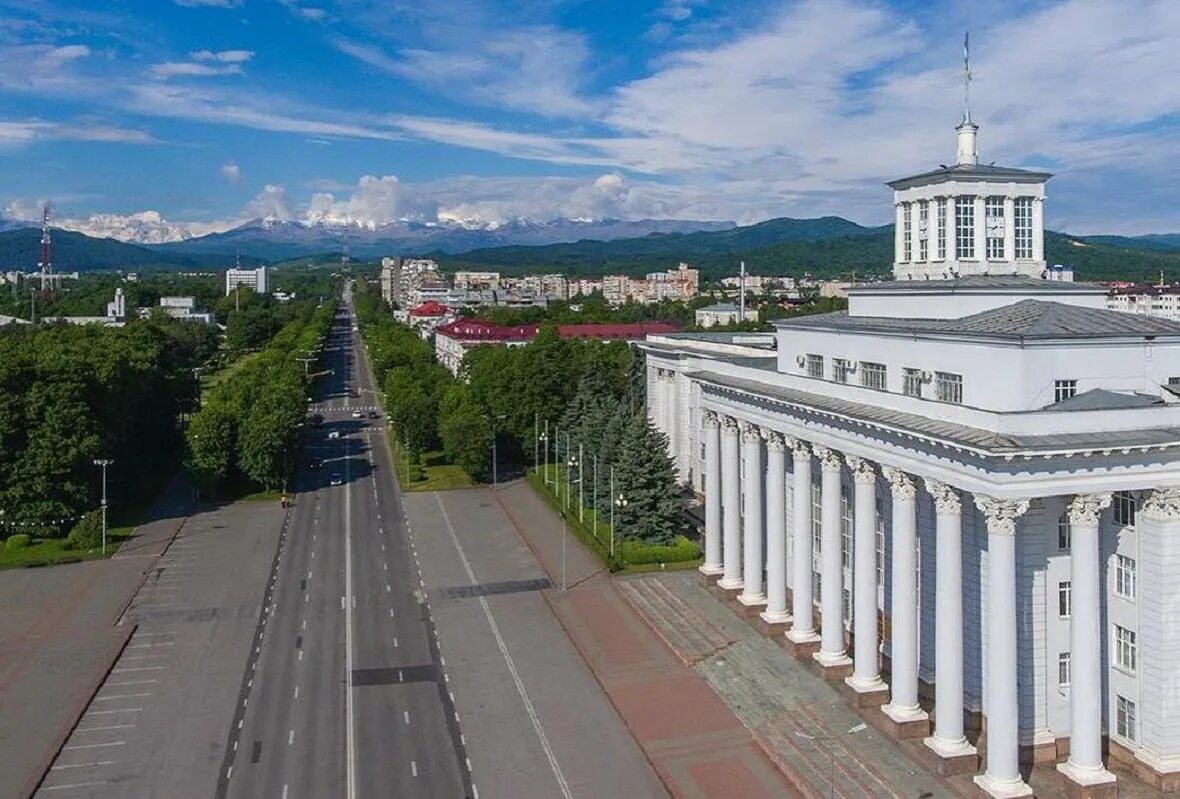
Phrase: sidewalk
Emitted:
{"points": [[700, 748]]}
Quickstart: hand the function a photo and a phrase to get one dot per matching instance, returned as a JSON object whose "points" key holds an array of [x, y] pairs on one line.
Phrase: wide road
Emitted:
{"points": [[345, 694]]}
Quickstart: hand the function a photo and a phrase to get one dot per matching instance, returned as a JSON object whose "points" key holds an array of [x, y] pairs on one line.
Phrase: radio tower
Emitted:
{"points": [[46, 253]]}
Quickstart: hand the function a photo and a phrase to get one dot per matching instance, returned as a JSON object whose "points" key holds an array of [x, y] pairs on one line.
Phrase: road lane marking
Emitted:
{"points": [[85, 765], [74, 785], [414, 767], [406, 716], [351, 720], [296, 691], [108, 712], [95, 746], [291, 738], [130, 682], [395, 642], [109, 727], [119, 696], [520, 689]]}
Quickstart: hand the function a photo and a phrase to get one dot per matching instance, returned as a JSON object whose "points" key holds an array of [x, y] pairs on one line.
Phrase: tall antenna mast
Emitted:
{"points": [[46, 252], [967, 76], [742, 294]]}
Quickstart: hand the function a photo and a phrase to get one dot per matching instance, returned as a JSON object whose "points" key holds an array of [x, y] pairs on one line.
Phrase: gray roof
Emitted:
{"points": [[1014, 283], [1100, 399], [1020, 320], [972, 437], [986, 172], [722, 307]]}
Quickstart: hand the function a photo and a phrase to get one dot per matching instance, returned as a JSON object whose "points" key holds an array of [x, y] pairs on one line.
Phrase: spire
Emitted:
{"points": [[968, 155]]}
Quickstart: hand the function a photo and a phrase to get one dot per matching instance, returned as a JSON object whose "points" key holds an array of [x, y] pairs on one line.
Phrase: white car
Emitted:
{"points": [[335, 480], [356, 414], [334, 434]]}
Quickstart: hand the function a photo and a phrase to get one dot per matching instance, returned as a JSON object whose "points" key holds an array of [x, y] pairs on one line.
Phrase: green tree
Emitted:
{"points": [[464, 431], [210, 445], [646, 478]]}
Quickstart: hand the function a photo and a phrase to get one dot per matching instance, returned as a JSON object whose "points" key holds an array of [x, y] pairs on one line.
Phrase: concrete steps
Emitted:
{"points": [[686, 632]]}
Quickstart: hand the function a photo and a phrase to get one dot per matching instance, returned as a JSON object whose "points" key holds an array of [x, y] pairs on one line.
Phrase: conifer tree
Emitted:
{"points": [[645, 477]]}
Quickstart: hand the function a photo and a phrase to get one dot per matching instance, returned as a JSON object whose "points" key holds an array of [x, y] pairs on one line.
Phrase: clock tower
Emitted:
{"points": [[969, 218]]}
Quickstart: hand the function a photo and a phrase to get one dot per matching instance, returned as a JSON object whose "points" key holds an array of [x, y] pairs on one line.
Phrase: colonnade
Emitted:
{"points": [[734, 552]]}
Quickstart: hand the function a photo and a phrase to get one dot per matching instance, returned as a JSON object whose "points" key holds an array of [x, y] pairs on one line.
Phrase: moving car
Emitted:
{"points": [[334, 434], [335, 479], [356, 414]]}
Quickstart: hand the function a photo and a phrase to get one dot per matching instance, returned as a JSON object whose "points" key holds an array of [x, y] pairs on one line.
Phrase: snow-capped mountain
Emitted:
{"points": [[276, 239], [145, 227]]}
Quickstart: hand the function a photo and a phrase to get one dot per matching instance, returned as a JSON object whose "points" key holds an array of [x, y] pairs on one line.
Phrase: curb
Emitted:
{"points": [[42, 771]]}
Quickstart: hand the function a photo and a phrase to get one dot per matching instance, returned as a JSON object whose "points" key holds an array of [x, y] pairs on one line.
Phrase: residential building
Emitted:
{"points": [[973, 471], [389, 278], [476, 281], [1160, 301], [183, 308], [255, 279], [723, 313], [428, 316]]}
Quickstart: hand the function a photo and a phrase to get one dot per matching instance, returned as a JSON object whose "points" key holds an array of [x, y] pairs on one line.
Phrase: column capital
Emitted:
{"points": [[946, 497], [1163, 504], [1086, 509], [729, 424], [1001, 514], [774, 440], [829, 459], [799, 447], [862, 470], [900, 483], [711, 419], [750, 432]]}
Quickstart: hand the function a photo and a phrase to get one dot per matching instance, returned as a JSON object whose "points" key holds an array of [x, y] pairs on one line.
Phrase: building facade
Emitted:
{"points": [[972, 475], [724, 313], [1160, 301], [255, 279]]}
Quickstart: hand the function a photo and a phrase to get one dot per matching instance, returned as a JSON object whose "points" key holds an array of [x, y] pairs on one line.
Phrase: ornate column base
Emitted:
{"points": [[731, 588], [709, 574], [1161, 772], [1088, 783], [802, 645], [985, 787], [833, 667], [750, 606], [953, 757], [865, 693], [774, 624], [905, 723]]}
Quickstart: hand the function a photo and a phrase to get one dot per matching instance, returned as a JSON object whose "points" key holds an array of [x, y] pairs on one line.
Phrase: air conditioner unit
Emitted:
{"points": [[801, 360]]}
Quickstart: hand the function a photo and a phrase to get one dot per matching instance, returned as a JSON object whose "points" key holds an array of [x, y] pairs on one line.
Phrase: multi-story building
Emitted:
{"points": [[759, 283], [724, 313], [476, 281], [418, 279], [255, 279], [973, 470], [390, 275], [1159, 301]]}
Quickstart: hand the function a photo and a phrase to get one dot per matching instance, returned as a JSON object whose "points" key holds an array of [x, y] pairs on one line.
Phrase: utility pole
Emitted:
{"points": [[104, 463], [581, 483], [742, 294]]}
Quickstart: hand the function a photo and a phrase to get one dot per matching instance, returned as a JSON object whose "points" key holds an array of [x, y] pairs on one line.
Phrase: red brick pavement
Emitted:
{"points": [[695, 743]]}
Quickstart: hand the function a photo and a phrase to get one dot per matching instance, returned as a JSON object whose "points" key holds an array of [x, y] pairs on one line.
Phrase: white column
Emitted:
{"points": [[903, 701], [731, 505], [980, 229], [1085, 632], [948, 739], [802, 624], [670, 420], [776, 530], [866, 674], [1002, 777], [899, 233], [831, 650], [752, 535], [1010, 229], [713, 563], [1038, 229]]}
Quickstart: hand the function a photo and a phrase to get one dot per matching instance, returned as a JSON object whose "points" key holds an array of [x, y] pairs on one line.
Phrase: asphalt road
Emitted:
{"points": [[345, 694]]}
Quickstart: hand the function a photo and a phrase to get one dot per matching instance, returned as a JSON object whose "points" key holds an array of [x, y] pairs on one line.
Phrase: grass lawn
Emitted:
{"points": [[434, 474], [49, 551], [263, 496]]}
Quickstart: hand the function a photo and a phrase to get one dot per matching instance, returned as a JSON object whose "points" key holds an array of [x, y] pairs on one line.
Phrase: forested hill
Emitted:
{"points": [[825, 251], [20, 250]]}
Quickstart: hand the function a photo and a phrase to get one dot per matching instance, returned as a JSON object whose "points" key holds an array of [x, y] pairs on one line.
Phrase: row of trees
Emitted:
{"points": [[71, 394], [247, 429]]}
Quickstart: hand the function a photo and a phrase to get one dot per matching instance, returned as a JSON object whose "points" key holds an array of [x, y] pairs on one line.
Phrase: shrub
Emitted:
{"points": [[87, 533], [638, 552], [18, 541]]}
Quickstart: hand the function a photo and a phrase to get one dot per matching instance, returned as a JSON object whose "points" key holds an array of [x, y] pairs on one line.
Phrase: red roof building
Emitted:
{"points": [[430, 309]]}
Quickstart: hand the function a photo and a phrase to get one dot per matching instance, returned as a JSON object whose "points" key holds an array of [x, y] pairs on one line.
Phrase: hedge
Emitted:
{"points": [[639, 552], [18, 541]]}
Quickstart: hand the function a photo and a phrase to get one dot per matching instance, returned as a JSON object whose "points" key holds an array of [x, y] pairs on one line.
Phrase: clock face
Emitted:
{"points": [[995, 227]]}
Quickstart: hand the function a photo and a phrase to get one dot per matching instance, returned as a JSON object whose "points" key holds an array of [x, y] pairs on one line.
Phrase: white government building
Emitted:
{"points": [[971, 476]]}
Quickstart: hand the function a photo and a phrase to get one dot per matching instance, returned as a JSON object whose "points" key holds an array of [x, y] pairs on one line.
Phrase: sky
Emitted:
{"points": [[205, 113]]}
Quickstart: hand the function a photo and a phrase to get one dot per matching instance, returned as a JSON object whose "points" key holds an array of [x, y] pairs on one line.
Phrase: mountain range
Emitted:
{"points": [[825, 246]]}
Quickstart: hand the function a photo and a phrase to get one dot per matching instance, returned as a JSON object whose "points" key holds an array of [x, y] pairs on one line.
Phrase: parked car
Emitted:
{"points": [[356, 414]]}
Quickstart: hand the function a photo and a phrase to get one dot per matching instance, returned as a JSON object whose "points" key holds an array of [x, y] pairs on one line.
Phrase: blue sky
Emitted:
{"points": [[210, 112]]}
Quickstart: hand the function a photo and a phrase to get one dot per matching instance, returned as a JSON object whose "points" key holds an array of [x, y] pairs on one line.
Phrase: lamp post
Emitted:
{"points": [[570, 463], [103, 463], [581, 483], [831, 758], [619, 501], [544, 439]]}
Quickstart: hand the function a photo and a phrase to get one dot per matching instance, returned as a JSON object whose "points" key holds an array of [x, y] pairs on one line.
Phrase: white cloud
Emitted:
{"points": [[17, 133], [231, 171], [209, 3], [313, 13], [224, 56], [270, 203]]}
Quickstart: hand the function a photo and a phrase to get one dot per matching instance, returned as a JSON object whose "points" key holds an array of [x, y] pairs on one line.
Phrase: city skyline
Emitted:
{"points": [[212, 112]]}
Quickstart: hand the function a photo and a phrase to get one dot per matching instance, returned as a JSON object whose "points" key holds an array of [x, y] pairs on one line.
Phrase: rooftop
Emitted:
{"points": [[978, 283], [985, 172], [720, 307], [1026, 319]]}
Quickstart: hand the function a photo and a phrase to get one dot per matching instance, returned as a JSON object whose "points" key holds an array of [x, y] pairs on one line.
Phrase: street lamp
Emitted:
{"points": [[831, 757], [544, 439], [616, 502], [569, 467], [103, 463]]}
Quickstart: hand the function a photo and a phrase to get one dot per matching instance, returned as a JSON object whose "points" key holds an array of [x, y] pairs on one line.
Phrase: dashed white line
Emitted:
{"points": [[73, 785], [108, 727], [119, 696], [414, 767], [109, 712], [85, 765], [296, 691], [406, 716], [291, 738], [95, 746]]}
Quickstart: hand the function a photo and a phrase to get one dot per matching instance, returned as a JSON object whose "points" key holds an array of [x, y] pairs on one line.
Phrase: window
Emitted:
{"points": [[965, 227], [907, 249], [845, 530], [872, 375], [880, 545], [1125, 714], [1063, 669], [1023, 225], [923, 230], [1126, 653], [911, 382], [816, 532], [1125, 504], [940, 224], [815, 366], [994, 218], [1064, 603], [1063, 533], [1064, 389], [948, 387], [702, 451], [841, 368], [846, 604], [1124, 576]]}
